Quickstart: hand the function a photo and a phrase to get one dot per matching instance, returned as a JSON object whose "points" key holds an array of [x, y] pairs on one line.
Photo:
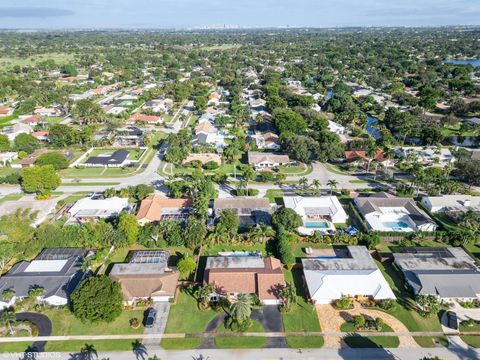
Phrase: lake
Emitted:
{"points": [[473, 62]]}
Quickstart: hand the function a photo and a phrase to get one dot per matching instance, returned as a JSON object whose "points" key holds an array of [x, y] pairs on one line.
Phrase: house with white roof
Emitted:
{"points": [[336, 128], [344, 272], [16, 129], [318, 213], [90, 208], [7, 157], [427, 155], [451, 203]]}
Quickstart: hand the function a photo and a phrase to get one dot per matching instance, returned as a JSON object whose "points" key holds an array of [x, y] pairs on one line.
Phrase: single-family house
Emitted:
{"points": [[385, 212], [318, 213], [427, 155], [144, 119], [261, 160], [118, 158], [361, 157], [146, 276], [250, 274], [129, 136], [57, 271], [6, 111], [7, 158], [34, 120], [250, 210], [41, 135], [16, 129], [91, 209], [159, 105], [50, 112], [336, 273], [204, 158], [156, 208], [446, 272], [268, 141], [451, 203]]}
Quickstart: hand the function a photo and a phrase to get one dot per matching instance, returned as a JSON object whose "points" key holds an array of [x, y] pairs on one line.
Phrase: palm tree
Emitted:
{"points": [[303, 182], [241, 309], [317, 185], [202, 295], [8, 318], [332, 183], [371, 152], [88, 352], [260, 233]]}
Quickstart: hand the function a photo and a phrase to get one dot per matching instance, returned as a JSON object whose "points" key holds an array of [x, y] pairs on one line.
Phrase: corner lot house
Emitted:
{"points": [[447, 272], [146, 275], [262, 160], [385, 212], [90, 209], [451, 203], [318, 213], [233, 275], [57, 271], [156, 208], [118, 158], [250, 211], [344, 272]]}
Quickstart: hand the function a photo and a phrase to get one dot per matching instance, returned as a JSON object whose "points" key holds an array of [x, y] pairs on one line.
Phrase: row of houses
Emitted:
{"points": [[329, 274]]}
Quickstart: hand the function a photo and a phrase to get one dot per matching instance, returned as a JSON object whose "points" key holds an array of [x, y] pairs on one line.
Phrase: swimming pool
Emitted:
{"points": [[396, 225], [316, 225]]}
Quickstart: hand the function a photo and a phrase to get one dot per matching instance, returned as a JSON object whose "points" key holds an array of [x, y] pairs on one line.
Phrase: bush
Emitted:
{"points": [[211, 165], [186, 266], [379, 323], [386, 304], [359, 321], [287, 219], [345, 303]]}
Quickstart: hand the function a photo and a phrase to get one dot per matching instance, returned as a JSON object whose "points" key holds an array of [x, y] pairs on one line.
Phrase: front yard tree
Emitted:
{"points": [[40, 179], [97, 299], [202, 294], [428, 304], [26, 142], [57, 160], [289, 297], [241, 309], [8, 318]]}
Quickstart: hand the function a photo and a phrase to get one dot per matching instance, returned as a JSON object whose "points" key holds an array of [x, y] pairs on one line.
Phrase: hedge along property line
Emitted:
{"points": [[358, 218]]}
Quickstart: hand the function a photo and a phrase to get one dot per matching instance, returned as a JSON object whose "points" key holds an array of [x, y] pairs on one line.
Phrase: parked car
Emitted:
{"points": [[452, 320], [151, 316]]}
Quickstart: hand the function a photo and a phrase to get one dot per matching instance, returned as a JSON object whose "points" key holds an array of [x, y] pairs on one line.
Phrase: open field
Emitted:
{"points": [[8, 63]]}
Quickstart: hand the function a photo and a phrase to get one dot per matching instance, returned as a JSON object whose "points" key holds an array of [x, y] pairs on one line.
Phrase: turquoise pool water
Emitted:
{"points": [[316, 224], [396, 224]]}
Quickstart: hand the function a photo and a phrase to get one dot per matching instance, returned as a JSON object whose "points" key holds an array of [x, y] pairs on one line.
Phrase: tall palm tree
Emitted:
{"points": [[371, 152], [241, 309], [303, 182], [88, 352], [317, 185], [260, 233], [8, 318], [332, 183]]}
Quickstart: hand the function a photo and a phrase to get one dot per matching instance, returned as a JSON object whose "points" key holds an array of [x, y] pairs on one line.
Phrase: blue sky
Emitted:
{"points": [[246, 13]]}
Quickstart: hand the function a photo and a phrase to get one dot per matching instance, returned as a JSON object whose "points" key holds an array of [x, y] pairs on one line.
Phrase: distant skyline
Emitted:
{"points": [[60, 14]]}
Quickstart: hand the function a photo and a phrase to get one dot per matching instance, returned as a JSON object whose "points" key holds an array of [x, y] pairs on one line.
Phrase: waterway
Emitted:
{"points": [[473, 62]]}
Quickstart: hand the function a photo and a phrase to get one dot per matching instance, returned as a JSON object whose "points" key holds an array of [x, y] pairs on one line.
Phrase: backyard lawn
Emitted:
{"points": [[185, 317], [274, 195], [370, 341], [303, 317], [244, 342]]}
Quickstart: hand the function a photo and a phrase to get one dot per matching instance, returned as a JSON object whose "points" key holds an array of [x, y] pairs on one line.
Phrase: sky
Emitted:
{"points": [[58, 14]]}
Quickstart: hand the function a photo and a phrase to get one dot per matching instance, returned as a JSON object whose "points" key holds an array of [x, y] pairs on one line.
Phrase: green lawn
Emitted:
{"points": [[14, 347], [4, 171], [474, 249], [96, 172], [455, 130], [405, 309], [64, 323], [11, 197], [370, 341], [7, 63], [274, 195], [303, 317], [74, 198], [294, 170], [98, 345], [385, 247], [244, 342], [185, 317], [473, 341]]}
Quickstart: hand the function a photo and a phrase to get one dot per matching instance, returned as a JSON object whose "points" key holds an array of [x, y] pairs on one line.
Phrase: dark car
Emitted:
{"points": [[452, 320], [151, 316]]}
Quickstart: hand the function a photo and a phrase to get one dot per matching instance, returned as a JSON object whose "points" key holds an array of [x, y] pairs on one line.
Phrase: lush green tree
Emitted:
{"points": [[26, 142], [128, 225], [8, 319], [289, 121], [186, 266], [57, 160], [428, 304], [60, 135], [97, 299], [227, 225], [40, 179], [4, 143], [241, 308], [287, 219], [195, 233]]}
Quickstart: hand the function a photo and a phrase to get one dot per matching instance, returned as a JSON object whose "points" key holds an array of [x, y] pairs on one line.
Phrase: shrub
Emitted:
{"points": [[344, 303], [211, 165], [379, 323], [386, 304], [359, 321]]}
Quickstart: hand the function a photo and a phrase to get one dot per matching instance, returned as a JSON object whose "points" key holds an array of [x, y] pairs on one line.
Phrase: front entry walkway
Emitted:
{"points": [[331, 320]]}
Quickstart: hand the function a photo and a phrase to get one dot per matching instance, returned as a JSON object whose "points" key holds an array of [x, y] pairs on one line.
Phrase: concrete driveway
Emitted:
{"points": [[163, 309]]}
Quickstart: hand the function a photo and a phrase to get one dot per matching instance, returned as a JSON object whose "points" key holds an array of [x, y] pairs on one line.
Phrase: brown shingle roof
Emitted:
{"points": [[354, 155], [265, 282], [147, 285], [205, 127], [258, 157]]}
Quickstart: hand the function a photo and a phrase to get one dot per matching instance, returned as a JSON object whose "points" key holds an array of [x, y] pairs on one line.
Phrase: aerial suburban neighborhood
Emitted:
{"points": [[277, 193]]}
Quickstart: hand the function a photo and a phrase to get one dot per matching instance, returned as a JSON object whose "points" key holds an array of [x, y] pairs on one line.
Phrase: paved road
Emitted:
{"points": [[274, 354], [43, 324]]}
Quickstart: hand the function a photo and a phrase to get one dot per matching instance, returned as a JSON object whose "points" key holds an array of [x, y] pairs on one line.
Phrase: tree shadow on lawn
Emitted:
{"points": [[401, 291]]}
